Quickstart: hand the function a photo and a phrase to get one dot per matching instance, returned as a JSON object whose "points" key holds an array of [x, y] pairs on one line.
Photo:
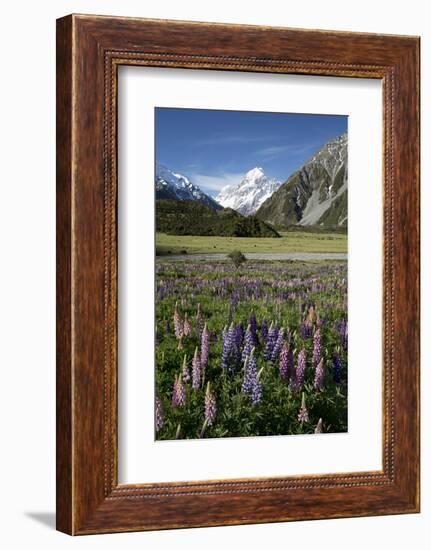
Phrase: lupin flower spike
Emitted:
{"points": [[196, 371], [303, 413], [210, 406], [185, 370], [205, 342], [319, 376], [319, 427]]}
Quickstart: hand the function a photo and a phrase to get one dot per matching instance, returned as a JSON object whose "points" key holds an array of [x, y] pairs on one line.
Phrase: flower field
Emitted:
{"points": [[250, 351]]}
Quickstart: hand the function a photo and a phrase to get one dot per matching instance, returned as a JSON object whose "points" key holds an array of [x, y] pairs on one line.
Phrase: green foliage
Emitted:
{"points": [[237, 258], [193, 218]]}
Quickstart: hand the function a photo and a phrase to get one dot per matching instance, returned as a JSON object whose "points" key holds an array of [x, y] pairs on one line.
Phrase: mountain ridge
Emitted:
{"points": [[176, 186], [316, 194]]}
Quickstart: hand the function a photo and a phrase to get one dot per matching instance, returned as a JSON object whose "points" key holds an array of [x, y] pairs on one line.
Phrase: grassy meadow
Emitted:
{"points": [[254, 350], [295, 241]]}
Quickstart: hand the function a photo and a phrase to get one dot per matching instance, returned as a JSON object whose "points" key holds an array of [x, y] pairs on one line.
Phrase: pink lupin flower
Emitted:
{"points": [[205, 342], [316, 347], [185, 372], [303, 412], [210, 406], [178, 323], [319, 376], [187, 328], [319, 427], [178, 393], [298, 375], [196, 371]]}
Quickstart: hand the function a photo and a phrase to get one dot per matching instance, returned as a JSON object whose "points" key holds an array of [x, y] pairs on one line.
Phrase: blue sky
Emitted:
{"points": [[216, 148]]}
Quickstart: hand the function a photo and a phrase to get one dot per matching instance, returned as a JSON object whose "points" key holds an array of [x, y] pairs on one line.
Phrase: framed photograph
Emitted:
{"points": [[237, 274]]}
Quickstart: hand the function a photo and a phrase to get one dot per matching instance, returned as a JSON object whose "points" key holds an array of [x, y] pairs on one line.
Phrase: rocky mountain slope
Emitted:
{"points": [[247, 196], [314, 195], [171, 185]]}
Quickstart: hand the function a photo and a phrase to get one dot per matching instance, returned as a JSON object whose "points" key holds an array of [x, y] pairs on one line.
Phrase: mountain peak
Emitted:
{"points": [[247, 195], [255, 173]]}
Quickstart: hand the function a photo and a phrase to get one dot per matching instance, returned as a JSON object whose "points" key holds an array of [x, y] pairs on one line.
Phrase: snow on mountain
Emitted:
{"points": [[171, 185], [246, 196]]}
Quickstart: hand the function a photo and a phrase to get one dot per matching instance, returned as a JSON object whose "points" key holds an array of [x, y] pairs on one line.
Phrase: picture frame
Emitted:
{"points": [[89, 51]]}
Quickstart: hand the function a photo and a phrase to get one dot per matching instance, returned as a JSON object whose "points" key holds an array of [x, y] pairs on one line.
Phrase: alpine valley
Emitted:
{"points": [[313, 196]]}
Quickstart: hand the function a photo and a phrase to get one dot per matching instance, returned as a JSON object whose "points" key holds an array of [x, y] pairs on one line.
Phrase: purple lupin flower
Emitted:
{"points": [[178, 323], [341, 326], [229, 351], [286, 362], [319, 427], [178, 393], [224, 335], [187, 328], [303, 412], [270, 342], [205, 347], [248, 344], [239, 336], [297, 378], [277, 346], [253, 328], [337, 368], [210, 407], [167, 328], [251, 385], [316, 347], [159, 415], [196, 371], [303, 330], [185, 372], [319, 376], [264, 330]]}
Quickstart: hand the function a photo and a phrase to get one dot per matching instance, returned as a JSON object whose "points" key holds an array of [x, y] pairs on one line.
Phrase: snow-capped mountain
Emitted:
{"points": [[316, 194], [171, 185], [246, 196]]}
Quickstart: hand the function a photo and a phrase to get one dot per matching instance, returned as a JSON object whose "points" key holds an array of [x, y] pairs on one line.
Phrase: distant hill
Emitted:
{"points": [[315, 195], [182, 217]]}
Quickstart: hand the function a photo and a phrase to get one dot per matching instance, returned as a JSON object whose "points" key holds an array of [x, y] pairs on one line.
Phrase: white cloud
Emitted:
{"points": [[274, 151], [214, 184]]}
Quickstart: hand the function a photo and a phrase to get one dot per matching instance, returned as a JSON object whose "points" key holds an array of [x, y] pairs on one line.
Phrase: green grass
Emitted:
{"points": [[289, 242]]}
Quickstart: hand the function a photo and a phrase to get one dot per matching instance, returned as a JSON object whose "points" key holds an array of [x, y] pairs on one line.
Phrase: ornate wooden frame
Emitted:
{"points": [[89, 51]]}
